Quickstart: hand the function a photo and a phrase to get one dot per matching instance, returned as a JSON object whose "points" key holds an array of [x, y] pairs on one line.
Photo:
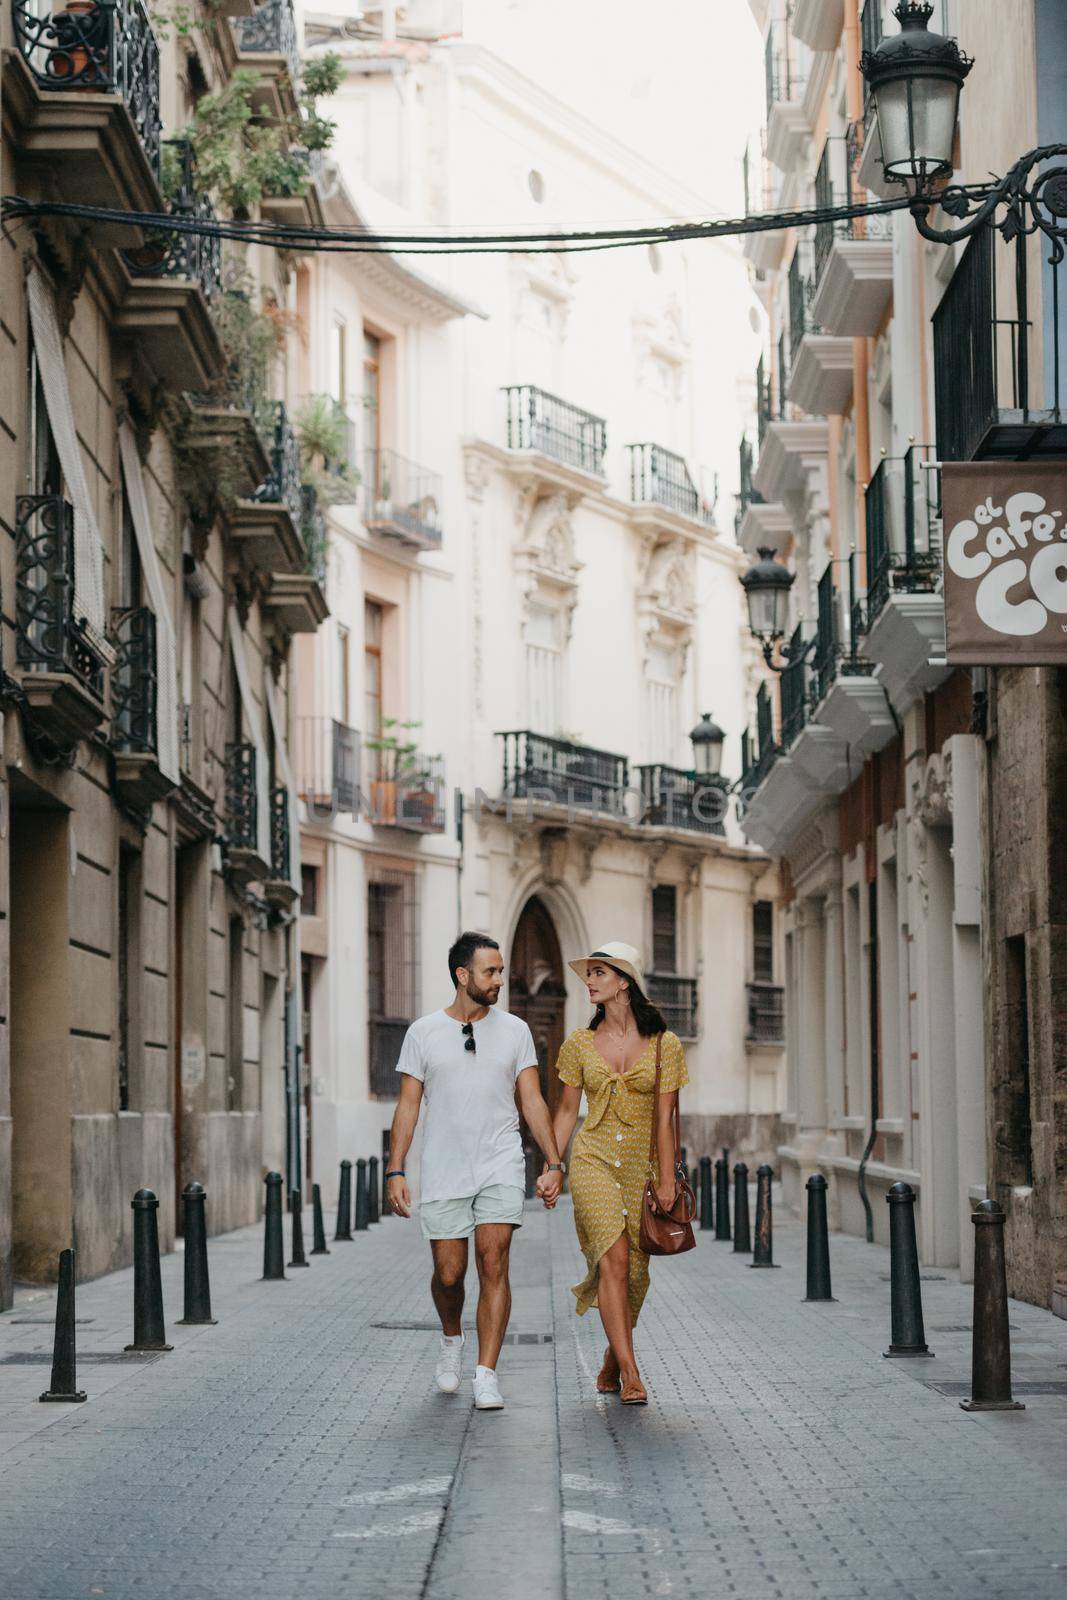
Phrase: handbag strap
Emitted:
{"points": [[676, 1115]]}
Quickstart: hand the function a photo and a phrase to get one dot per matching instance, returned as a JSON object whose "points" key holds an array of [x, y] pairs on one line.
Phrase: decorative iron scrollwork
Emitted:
{"points": [[109, 48], [241, 815], [47, 637], [134, 681]]}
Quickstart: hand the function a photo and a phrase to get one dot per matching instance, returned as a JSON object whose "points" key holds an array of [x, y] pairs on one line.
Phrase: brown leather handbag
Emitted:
{"points": [[667, 1233]]}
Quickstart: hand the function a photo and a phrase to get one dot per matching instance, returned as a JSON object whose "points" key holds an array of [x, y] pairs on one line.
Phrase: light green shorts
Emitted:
{"points": [[457, 1219]]}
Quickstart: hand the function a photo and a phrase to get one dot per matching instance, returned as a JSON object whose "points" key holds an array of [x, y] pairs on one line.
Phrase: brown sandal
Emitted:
{"points": [[633, 1393], [607, 1379]]}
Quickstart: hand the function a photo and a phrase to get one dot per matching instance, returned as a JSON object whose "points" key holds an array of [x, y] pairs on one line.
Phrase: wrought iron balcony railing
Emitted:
{"points": [[544, 422], [834, 654], [676, 998], [870, 39], [793, 688], [271, 31], [195, 256], [903, 527], [134, 681], [758, 759], [48, 638], [782, 79], [766, 1014], [989, 401], [420, 795], [557, 772], [241, 806], [766, 409], [674, 798], [801, 319], [108, 48], [385, 1036], [401, 498], [829, 192], [279, 832], [660, 477], [315, 536], [746, 494], [283, 486], [327, 766]]}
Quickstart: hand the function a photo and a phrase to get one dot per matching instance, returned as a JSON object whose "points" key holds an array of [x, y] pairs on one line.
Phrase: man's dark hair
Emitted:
{"points": [[464, 948]]}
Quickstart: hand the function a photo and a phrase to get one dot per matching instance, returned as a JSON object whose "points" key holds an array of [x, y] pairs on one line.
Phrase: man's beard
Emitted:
{"points": [[482, 997]]}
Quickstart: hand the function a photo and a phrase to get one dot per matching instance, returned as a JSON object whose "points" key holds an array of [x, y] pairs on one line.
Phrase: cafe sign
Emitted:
{"points": [[1005, 558]]}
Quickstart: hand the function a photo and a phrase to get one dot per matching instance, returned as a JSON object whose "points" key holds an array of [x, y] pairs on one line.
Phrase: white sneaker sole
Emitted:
{"points": [[488, 1405]]}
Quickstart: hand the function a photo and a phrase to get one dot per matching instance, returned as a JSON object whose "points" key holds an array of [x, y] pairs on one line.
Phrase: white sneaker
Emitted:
{"points": [[449, 1362], [487, 1396]]}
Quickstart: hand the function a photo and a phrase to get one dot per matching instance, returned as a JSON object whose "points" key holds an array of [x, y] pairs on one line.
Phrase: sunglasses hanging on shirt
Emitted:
{"points": [[468, 1032]]}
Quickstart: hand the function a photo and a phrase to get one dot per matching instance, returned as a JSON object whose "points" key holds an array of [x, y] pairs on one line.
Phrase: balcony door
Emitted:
{"points": [[544, 671], [538, 995]]}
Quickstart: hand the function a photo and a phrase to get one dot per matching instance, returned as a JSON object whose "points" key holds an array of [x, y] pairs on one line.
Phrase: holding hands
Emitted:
{"points": [[548, 1187]]}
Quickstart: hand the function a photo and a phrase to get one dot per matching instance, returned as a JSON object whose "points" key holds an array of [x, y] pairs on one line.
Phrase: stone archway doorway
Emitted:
{"points": [[537, 994]]}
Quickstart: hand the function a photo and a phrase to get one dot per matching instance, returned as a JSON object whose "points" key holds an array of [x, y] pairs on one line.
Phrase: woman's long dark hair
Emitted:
{"points": [[648, 1017]]}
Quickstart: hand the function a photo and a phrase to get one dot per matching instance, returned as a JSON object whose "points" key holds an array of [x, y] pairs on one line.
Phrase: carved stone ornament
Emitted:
{"points": [[933, 796], [553, 855], [544, 555]]}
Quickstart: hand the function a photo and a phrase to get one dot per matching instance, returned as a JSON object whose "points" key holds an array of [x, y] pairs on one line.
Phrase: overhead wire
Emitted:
{"points": [[332, 239]]}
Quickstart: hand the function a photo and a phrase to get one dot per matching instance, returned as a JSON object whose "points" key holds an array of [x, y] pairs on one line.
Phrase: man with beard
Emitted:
{"points": [[466, 1062]]}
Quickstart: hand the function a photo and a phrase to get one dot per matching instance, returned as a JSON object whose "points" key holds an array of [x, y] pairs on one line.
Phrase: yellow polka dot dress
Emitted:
{"points": [[609, 1158]]}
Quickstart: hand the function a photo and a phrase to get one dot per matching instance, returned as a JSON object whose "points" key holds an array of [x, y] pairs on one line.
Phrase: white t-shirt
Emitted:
{"points": [[470, 1135]]}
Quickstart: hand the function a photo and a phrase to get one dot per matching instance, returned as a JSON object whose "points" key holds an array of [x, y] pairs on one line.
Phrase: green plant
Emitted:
{"points": [[242, 156], [322, 432], [396, 764]]}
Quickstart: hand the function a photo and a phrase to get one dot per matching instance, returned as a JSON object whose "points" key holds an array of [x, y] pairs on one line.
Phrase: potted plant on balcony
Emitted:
{"points": [[393, 753], [418, 798], [80, 50], [322, 425]]}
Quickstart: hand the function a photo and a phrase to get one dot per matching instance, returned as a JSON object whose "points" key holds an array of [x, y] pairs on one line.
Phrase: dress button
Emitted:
{"points": [[625, 1212], [618, 1185], [618, 1163], [618, 1138]]}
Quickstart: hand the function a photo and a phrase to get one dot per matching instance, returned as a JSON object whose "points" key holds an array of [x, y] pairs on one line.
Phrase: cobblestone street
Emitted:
{"points": [[298, 1448]]}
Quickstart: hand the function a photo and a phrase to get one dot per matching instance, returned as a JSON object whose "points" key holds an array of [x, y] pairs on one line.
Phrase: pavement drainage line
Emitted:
{"points": [[86, 1358], [953, 1389], [446, 1509]]}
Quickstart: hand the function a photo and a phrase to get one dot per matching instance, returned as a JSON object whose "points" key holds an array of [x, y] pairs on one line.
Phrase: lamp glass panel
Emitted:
{"points": [[765, 606], [916, 124]]}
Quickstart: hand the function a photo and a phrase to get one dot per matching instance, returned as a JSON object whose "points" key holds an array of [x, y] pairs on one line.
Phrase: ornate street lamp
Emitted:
{"points": [[915, 78], [767, 584], [707, 741]]}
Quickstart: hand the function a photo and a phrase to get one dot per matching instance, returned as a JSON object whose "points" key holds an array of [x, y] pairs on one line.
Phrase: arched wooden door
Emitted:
{"points": [[538, 995]]}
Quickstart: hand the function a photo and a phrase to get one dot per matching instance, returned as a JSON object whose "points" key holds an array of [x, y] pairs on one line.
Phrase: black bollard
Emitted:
{"points": [[273, 1246], [372, 1190], [818, 1240], [318, 1247], [722, 1199], [148, 1330], [343, 1230], [742, 1236], [64, 1379], [907, 1336], [383, 1208], [296, 1212], [763, 1250], [707, 1208], [685, 1158], [197, 1286], [362, 1206], [990, 1342]]}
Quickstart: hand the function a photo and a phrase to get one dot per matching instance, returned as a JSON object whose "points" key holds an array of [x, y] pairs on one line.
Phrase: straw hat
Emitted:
{"points": [[615, 954]]}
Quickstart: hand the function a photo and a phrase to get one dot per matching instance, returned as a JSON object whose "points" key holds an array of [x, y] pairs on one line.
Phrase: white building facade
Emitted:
{"points": [[525, 630]]}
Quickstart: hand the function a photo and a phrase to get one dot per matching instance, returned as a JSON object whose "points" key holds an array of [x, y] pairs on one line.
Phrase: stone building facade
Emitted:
{"points": [[914, 805], [157, 556]]}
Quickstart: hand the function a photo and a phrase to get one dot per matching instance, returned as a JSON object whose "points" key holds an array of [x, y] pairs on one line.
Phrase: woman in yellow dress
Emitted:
{"points": [[614, 1062]]}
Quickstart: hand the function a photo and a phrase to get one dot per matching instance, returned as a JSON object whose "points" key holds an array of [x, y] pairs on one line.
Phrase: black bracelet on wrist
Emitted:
{"points": [[399, 1173]]}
